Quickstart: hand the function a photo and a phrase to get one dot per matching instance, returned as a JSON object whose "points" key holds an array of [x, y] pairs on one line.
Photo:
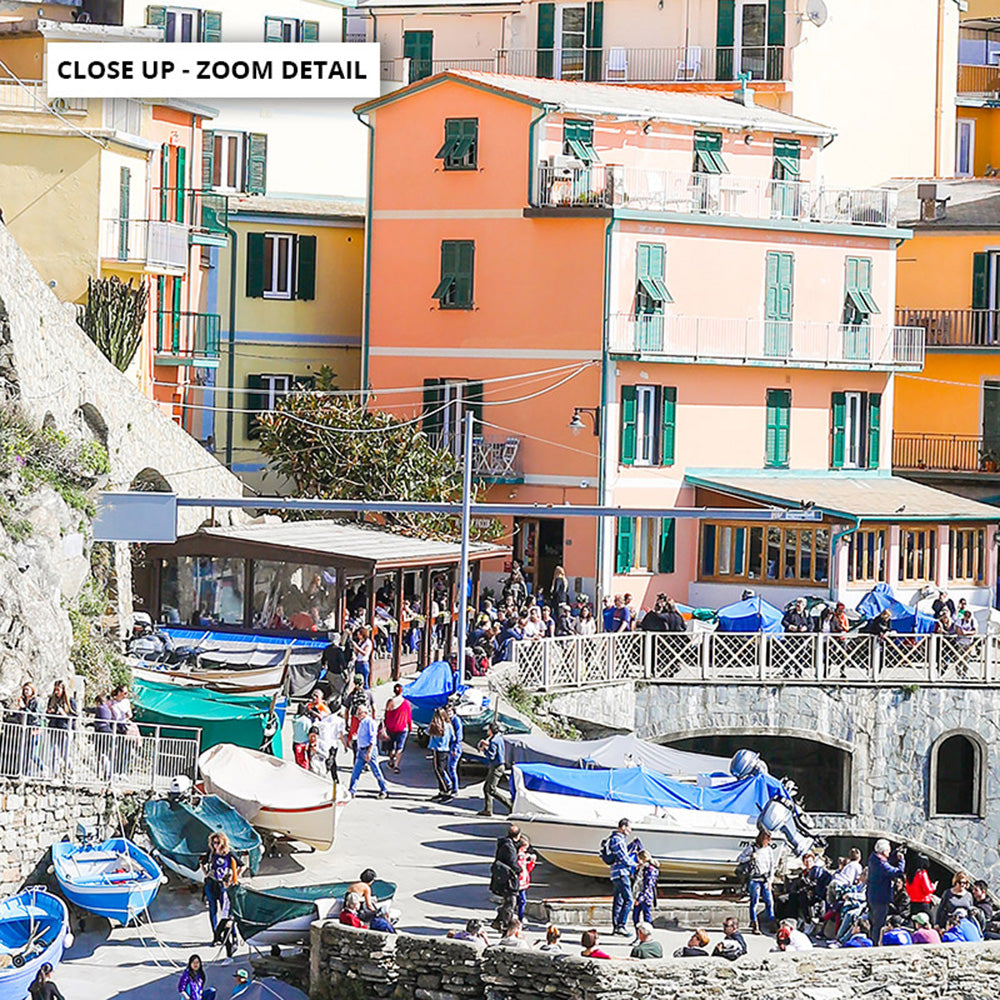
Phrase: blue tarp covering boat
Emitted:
{"points": [[436, 683], [638, 786], [904, 619], [115, 879], [33, 929], [751, 615], [195, 637]]}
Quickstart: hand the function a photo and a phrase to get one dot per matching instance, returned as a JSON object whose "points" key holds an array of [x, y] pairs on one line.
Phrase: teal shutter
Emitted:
{"points": [[156, 17], [255, 403], [668, 428], [980, 281], [838, 414], [874, 427], [211, 25], [725, 39], [255, 265], [433, 400], [418, 47], [545, 40], [465, 252], [667, 534], [778, 305], [774, 65], [777, 428], [164, 182], [124, 199], [175, 309], [180, 182], [623, 544], [256, 163], [594, 40], [274, 29], [628, 433], [207, 160], [309, 31], [305, 268]]}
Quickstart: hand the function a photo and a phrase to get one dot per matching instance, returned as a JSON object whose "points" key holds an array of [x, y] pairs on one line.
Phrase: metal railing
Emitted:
{"points": [[405, 70], [34, 750], [206, 211], [945, 452], [734, 657], [780, 342], [154, 244], [977, 79], [955, 327], [189, 336], [614, 186], [613, 64], [30, 95], [493, 458]]}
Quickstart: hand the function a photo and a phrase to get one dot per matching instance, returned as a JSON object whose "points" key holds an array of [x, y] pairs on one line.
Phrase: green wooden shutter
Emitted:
{"points": [[207, 160], [629, 415], [594, 40], [309, 31], [156, 16], [175, 309], [775, 22], [256, 163], [161, 301], [725, 39], [980, 281], [545, 40], [274, 29], [418, 47], [667, 545], [623, 544], [255, 403], [180, 182], [305, 268], [211, 25], [255, 265], [838, 414], [164, 182], [433, 418], [778, 305], [124, 200], [777, 428], [465, 252], [874, 428], [668, 428]]}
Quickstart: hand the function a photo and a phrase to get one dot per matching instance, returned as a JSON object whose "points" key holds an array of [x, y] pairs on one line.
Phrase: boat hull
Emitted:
{"points": [[18, 915], [267, 681]]}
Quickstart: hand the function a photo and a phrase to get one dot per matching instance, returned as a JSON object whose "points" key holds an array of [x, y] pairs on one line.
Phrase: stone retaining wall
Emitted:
{"points": [[349, 964]]}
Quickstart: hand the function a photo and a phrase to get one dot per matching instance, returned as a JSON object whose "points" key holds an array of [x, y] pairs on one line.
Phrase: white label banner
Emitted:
{"points": [[212, 70]]}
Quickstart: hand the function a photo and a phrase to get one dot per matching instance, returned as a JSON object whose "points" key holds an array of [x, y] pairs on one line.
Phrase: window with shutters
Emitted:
{"points": [[967, 555], [917, 554], [855, 430], [418, 47], [757, 553], [454, 290], [867, 551], [227, 161], [281, 266], [290, 29], [777, 428], [645, 545], [123, 114], [859, 307], [786, 194], [708, 154], [446, 402], [648, 424], [264, 393], [180, 24], [578, 141], [278, 261], [461, 144], [750, 38], [651, 295]]}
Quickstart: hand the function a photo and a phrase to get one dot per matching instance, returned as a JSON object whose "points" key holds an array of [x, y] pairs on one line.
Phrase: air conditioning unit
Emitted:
{"points": [[563, 166]]}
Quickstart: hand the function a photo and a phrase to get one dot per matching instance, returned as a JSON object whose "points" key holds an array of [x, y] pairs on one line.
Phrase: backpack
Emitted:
{"points": [[607, 855], [503, 879]]}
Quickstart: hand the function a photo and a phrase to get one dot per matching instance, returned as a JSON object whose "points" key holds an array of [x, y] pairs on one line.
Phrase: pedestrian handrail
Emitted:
{"points": [[894, 660], [83, 752]]}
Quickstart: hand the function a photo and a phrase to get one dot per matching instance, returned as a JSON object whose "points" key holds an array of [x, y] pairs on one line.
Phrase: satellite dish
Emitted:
{"points": [[816, 12]]}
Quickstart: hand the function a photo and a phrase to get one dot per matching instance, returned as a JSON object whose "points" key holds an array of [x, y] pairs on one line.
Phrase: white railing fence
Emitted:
{"points": [[151, 242], [31, 95], [726, 657], [34, 750]]}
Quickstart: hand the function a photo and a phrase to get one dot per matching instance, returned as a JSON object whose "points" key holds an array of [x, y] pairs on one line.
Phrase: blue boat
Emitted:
{"points": [[115, 879], [34, 929]]}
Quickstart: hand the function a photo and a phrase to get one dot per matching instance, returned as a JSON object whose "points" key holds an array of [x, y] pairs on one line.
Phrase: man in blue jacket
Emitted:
{"points": [[622, 866], [883, 867]]}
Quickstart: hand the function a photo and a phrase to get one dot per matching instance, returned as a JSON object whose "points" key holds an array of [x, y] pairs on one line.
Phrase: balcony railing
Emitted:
{"points": [[412, 70], [494, 459], [612, 186], [30, 95], [203, 211], [955, 327], [762, 341], [945, 453], [756, 658], [976, 79], [693, 64], [155, 245], [187, 336]]}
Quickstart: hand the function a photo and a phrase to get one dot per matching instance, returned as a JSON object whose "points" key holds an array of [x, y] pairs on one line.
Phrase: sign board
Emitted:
{"points": [[136, 517]]}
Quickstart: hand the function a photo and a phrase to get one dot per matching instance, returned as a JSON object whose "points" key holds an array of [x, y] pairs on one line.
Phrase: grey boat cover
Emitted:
{"points": [[614, 751]]}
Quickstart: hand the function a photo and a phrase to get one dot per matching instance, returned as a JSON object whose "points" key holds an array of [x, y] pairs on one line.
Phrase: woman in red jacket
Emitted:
{"points": [[920, 888]]}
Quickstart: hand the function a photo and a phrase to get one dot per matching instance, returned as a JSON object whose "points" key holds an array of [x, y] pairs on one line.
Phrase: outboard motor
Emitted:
{"points": [[180, 787], [745, 764], [780, 817]]}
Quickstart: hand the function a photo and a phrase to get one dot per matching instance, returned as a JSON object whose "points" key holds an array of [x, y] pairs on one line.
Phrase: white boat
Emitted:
{"points": [[567, 812], [264, 680], [276, 796]]}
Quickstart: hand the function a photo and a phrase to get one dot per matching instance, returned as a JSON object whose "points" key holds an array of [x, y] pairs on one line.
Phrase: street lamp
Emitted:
{"points": [[576, 424]]}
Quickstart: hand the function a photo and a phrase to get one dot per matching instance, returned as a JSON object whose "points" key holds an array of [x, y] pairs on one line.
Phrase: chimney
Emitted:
{"points": [[932, 208], [744, 96]]}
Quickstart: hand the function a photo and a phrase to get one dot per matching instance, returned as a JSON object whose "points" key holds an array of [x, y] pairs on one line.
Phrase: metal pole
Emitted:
{"points": [[463, 573], [231, 360]]}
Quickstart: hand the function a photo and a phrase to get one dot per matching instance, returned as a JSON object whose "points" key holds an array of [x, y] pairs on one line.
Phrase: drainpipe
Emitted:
{"points": [[531, 154], [231, 362], [833, 550], [603, 414], [939, 90], [368, 261]]}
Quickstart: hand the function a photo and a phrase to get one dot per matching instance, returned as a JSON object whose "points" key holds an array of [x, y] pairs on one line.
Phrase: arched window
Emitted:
{"points": [[957, 774]]}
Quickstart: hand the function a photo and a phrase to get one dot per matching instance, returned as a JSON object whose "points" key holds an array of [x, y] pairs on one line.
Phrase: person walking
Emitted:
{"points": [[398, 725], [760, 862], [439, 743], [455, 750], [363, 650], [496, 770], [883, 868], [367, 755], [615, 854], [504, 878], [43, 988], [221, 869]]}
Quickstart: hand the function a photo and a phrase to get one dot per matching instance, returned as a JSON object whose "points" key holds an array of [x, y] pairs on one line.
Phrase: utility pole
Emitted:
{"points": [[463, 583]]}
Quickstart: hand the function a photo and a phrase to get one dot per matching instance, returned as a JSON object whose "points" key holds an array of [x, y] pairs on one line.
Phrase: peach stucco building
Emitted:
{"points": [[667, 271]]}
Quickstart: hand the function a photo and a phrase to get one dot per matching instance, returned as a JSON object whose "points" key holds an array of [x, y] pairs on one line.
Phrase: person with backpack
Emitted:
{"points": [[615, 854], [505, 875]]}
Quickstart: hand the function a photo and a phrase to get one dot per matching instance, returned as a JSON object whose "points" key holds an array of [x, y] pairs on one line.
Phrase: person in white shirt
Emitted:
{"points": [[790, 938], [761, 860]]}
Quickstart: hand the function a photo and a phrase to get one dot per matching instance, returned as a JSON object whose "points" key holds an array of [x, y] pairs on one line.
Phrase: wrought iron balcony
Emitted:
{"points": [[150, 244], [945, 453], [494, 459], [187, 338], [203, 211], [955, 327]]}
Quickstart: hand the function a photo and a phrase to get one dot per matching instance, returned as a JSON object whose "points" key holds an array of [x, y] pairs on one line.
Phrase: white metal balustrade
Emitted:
{"points": [[768, 658], [35, 751], [30, 95], [156, 245], [707, 338]]}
